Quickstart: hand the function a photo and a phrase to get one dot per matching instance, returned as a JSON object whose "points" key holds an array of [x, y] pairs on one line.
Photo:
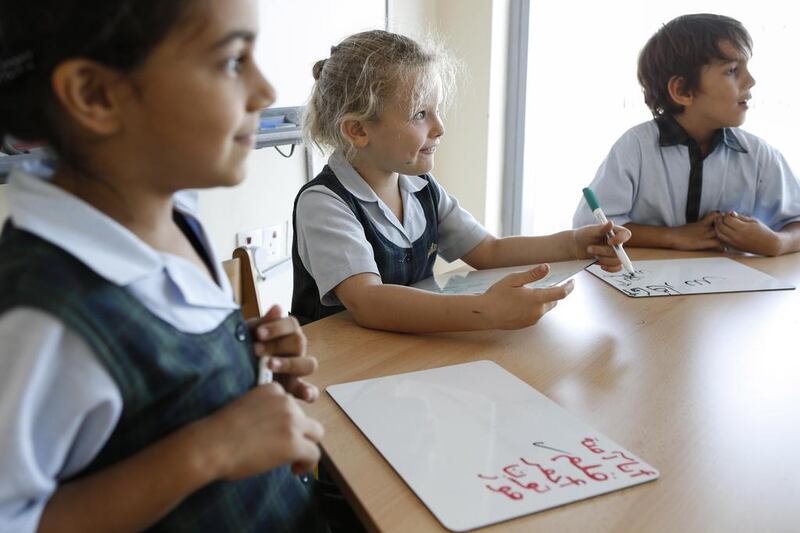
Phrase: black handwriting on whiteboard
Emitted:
{"points": [[701, 282]]}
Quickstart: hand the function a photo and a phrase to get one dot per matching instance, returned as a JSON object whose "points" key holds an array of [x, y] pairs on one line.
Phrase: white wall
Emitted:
{"points": [[469, 162]]}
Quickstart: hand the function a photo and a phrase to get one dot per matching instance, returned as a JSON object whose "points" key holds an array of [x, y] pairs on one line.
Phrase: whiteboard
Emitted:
{"points": [[670, 277], [295, 34], [478, 445], [478, 281]]}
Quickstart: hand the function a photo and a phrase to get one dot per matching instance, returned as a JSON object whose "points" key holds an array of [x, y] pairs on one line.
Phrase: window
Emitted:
{"points": [[582, 92]]}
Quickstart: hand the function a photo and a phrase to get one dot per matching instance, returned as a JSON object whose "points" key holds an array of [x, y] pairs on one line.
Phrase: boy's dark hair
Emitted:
{"points": [[682, 47], [37, 35]]}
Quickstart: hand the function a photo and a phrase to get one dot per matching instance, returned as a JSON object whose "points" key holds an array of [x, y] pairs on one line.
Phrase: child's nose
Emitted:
{"points": [[749, 79], [263, 93], [438, 127]]}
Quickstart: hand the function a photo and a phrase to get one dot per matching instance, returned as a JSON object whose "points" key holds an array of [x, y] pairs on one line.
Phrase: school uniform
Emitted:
{"points": [[656, 175], [107, 347], [342, 228]]}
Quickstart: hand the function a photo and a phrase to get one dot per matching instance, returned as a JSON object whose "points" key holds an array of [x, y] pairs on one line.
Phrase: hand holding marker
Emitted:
{"points": [[264, 373], [601, 219]]}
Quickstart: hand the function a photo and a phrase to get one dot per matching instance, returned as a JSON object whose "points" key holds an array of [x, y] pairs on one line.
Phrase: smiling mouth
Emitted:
{"points": [[429, 150]]}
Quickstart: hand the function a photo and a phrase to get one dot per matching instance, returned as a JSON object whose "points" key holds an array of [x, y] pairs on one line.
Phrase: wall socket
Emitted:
{"points": [[276, 240], [252, 237]]}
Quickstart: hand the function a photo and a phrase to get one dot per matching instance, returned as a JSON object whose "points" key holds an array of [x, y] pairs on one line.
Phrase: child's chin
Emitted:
{"points": [[232, 178], [425, 166]]}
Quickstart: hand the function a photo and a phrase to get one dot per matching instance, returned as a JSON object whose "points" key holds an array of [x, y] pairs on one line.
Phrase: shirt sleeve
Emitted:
{"points": [[330, 241], [58, 407], [615, 183], [459, 231], [778, 190]]}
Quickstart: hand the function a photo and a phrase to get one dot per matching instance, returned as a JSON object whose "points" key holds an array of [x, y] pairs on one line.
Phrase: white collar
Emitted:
{"points": [[68, 222], [358, 187]]}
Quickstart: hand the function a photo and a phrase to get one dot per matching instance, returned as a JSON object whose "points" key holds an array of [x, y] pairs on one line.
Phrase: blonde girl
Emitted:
{"points": [[374, 220]]}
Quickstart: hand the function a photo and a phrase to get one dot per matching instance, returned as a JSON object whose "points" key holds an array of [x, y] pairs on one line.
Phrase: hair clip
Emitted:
{"points": [[15, 66]]}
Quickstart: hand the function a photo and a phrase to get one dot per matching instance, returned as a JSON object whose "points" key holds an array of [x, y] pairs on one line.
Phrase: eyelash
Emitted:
{"points": [[733, 70], [419, 115], [233, 64]]}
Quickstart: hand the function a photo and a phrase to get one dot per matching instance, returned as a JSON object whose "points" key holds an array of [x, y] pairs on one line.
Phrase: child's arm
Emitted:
{"points": [[699, 235], [506, 305], [751, 235], [263, 429], [581, 243]]}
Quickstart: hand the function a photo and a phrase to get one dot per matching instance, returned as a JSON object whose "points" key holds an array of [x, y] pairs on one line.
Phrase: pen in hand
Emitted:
{"points": [[601, 219], [264, 373]]}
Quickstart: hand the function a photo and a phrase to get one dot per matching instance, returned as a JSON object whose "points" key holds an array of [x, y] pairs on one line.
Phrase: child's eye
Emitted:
{"points": [[419, 115], [733, 71], [233, 65]]}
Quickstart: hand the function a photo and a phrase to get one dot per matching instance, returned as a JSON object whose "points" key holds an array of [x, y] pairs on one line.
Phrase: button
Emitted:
{"points": [[241, 332], [408, 258]]}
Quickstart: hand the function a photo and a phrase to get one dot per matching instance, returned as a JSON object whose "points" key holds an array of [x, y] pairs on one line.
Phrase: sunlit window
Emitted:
{"points": [[582, 92]]}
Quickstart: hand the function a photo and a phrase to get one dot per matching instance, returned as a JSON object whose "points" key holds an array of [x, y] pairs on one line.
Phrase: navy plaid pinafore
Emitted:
{"points": [[397, 265], [167, 379]]}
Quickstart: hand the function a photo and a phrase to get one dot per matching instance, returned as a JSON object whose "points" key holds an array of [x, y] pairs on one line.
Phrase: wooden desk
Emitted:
{"points": [[706, 388]]}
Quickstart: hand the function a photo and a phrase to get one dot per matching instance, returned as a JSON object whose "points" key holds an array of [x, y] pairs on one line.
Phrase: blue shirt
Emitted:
{"points": [[645, 180]]}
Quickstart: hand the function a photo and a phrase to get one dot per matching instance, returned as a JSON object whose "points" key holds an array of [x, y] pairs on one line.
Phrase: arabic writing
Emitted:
{"points": [[636, 284], [532, 476]]}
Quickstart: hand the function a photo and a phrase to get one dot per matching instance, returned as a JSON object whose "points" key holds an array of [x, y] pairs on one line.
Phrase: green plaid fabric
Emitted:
{"points": [[167, 378]]}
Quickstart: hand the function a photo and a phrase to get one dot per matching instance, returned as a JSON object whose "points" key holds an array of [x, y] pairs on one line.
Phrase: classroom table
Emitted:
{"points": [[706, 388]]}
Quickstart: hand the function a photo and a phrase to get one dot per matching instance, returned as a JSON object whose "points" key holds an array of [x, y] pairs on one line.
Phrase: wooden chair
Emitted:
{"points": [[242, 276]]}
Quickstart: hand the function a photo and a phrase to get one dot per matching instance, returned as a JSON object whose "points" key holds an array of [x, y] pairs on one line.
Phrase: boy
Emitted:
{"points": [[690, 179]]}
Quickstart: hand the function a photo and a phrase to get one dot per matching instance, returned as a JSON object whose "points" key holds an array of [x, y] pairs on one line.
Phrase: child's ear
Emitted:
{"points": [[677, 91], [89, 94], [355, 132]]}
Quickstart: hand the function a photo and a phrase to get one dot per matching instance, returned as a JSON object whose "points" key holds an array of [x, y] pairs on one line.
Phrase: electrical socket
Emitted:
{"points": [[251, 238], [275, 241]]}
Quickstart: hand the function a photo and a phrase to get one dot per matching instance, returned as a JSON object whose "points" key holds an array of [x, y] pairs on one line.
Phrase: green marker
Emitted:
{"points": [[600, 217]]}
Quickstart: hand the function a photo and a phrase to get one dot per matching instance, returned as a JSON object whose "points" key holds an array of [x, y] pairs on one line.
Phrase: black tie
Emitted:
{"points": [[695, 181]]}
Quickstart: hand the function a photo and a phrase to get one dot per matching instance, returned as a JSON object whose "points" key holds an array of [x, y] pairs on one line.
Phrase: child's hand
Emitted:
{"points": [[259, 431], [281, 339], [747, 234], [511, 305], [700, 235], [591, 242]]}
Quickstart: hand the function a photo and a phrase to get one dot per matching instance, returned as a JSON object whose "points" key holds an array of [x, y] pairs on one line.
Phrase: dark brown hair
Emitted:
{"points": [[38, 35], [682, 47]]}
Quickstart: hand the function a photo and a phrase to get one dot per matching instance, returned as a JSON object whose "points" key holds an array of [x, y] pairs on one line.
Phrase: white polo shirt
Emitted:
{"points": [[331, 242], [58, 405], [646, 183]]}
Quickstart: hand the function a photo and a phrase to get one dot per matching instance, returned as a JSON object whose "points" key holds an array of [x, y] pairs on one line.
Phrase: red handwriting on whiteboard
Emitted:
{"points": [[536, 476], [586, 469]]}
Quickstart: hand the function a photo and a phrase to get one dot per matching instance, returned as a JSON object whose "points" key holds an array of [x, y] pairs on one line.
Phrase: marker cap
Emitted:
{"points": [[590, 198]]}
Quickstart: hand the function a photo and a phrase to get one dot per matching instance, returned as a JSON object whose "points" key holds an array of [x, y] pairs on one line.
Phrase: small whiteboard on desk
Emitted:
{"points": [[478, 445], [478, 281], [670, 277]]}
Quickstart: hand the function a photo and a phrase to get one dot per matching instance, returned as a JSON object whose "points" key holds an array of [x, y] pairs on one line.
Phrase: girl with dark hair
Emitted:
{"points": [[127, 397]]}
